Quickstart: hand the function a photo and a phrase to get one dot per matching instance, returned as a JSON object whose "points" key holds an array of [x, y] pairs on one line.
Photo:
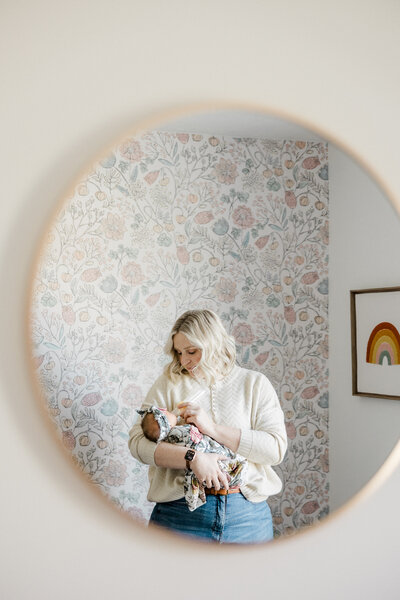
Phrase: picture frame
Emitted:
{"points": [[375, 342]]}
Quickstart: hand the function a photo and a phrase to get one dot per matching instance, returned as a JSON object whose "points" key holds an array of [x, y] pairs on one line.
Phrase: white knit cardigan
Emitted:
{"points": [[244, 399]]}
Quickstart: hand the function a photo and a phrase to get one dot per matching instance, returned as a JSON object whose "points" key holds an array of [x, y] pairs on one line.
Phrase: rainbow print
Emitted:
{"points": [[384, 345]]}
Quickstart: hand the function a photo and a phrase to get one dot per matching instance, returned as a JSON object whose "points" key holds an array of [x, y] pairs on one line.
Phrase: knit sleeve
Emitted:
{"points": [[140, 447], [266, 442]]}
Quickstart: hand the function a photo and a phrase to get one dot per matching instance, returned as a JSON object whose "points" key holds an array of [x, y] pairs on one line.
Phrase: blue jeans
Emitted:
{"points": [[230, 519]]}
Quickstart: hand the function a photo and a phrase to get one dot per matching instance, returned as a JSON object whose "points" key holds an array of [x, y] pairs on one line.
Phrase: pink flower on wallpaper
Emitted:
{"points": [[153, 299], [310, 278], [262, 241], [132, 151], [113, 227], [132, 273], [68, 440], [309, 392], [151, 177], [132, 395], [261, 358], [243, 217], [183, 137], [68, 315], [226, 290], [243, 334], [115, 473], [91, 399], [204, 217], [226, 171], [290, 430], [182, 255], [289, 314], [312, 162], [290, 199], [309, 507], [90, 275], [114, 350]]}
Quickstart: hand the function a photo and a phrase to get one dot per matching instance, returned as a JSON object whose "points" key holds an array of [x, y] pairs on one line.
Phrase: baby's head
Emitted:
{"points": [[157, 422]]}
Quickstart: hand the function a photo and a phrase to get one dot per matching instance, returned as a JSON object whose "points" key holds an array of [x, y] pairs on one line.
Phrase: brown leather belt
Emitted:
{"points": [[222, 491]]}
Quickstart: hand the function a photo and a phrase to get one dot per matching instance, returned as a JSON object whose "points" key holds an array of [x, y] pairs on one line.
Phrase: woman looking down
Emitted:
{"points": [[235, 406]]}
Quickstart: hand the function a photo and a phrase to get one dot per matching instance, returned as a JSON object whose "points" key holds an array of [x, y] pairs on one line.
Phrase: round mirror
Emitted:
{"points": [[229, 210]]}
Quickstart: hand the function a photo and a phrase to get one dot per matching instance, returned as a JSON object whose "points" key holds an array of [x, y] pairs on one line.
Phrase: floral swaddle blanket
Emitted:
{"points": [[190, 437]]}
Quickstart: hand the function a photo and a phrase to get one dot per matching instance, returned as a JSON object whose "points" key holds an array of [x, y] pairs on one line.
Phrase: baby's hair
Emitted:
{"points": [[204, 329], [151, 428]]}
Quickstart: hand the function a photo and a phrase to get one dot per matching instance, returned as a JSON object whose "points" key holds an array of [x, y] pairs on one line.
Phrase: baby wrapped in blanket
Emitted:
{"points": [[158, 425]]}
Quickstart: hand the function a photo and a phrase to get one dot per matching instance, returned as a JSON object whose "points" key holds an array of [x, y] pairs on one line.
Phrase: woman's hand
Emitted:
{"points": [[196, 415], [207, 470]]}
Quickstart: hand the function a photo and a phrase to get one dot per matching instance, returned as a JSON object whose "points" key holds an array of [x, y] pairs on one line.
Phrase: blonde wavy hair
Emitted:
{"points": [[204, 329]]}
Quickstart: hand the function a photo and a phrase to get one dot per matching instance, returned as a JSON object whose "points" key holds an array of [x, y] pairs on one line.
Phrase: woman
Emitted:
{"points": [[237, 407]]}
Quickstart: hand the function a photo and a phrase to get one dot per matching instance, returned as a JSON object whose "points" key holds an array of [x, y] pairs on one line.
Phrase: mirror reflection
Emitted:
{"points": [[230, 433], [209, 216]]}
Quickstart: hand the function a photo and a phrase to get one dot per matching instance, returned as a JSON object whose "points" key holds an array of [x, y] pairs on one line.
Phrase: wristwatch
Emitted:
{"points": [[189, 456]]}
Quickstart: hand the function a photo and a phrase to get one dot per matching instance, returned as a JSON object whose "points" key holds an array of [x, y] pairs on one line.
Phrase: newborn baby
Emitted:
{"points": [[158, 425]]}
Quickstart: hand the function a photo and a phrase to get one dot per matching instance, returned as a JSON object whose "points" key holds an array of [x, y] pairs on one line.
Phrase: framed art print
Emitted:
{"points": [[375, 335]]}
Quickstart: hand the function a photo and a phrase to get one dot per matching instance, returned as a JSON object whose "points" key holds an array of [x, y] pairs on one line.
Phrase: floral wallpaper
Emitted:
{"points": [[168, 222]]}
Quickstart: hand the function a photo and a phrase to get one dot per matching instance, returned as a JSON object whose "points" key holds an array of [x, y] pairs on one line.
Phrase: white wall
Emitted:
{"points": [[364, 251], [74, 75]]}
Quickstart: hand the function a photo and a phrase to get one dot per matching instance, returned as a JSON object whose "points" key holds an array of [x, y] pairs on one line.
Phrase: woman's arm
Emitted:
{"points": [[227, 436], [141, 448], [196, 415], [170, 456], [266, 441], [204, 465]]}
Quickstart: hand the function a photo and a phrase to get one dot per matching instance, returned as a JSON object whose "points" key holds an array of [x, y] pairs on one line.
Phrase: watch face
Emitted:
{"points": [[190, 455]]}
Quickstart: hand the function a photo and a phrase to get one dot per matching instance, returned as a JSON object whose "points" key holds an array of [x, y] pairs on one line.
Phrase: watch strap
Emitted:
{"points": [[189, 456]]}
